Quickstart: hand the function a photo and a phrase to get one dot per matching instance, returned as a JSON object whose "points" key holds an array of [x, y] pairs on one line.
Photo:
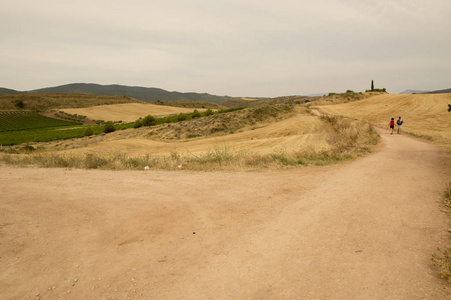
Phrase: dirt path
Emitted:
{"points": [[364, 230]]}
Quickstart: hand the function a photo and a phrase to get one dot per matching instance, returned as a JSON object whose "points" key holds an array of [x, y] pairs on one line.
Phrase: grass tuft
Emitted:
{"points": [[442, 259]]}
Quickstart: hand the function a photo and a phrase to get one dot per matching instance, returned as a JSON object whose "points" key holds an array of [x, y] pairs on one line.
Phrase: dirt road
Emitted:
{"points": [[363, 230]]}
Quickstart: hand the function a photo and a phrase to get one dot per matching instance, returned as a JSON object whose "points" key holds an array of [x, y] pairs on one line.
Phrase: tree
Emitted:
{"points": [[372, 85], [449, 107]]}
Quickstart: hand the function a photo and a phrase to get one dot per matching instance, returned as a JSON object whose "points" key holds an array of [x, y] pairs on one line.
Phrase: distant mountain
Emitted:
{"points": [[413, 92], [139, 93], [447, 91], [4, 91]]}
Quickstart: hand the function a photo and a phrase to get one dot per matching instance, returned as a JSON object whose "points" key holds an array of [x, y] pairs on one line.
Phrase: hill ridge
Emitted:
{"points": [[147, 94]]}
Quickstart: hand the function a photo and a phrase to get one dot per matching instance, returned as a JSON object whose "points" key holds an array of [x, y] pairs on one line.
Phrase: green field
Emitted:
{"points": [[18, 120], [17, 127]]}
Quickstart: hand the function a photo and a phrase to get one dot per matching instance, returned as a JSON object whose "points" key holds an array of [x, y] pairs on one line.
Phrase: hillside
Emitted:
{"points": [[140, 93], [246, 102], [4, 91], [189, 104], [51, 101], [424, 115], [127, 112], [413, 92], [446, 91]]}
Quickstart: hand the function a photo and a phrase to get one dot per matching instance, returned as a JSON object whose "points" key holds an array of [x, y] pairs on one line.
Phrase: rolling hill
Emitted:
{"points": [[424, 115], [140, 93], [446, 91], [127, 112], [51, 101], [413, 92]]}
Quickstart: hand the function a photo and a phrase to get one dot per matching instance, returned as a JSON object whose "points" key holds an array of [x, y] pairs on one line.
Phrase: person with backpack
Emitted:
{"points": [[399, 123], [392, 125]]}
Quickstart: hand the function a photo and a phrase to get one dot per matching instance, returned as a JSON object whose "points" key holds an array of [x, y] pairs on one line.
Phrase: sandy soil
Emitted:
{"points": [[363, 230]]}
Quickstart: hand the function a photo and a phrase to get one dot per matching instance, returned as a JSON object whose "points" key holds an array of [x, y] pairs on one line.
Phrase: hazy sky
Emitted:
{"points": [[228, 47]]}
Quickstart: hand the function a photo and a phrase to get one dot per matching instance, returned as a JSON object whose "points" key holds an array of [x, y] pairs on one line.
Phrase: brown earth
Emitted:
{"points": [[362, 230]]}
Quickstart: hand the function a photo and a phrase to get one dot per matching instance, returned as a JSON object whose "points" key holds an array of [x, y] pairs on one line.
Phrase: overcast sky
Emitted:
{"points": [[228, 47]]}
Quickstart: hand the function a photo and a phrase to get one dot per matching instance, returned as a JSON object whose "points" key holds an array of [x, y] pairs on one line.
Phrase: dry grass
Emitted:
{"points": [[425, 116], [221, 124], [190, 104], [278, 138], [442, 258], [345, 98], [127, 112], [246, 102]]}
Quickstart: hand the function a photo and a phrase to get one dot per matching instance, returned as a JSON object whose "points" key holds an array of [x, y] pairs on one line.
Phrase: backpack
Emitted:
{"points": [[399, 122]]}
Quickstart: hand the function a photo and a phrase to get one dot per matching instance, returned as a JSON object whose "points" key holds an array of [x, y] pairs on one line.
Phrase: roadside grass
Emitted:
{"points": [[213, 160], [442, 258]]}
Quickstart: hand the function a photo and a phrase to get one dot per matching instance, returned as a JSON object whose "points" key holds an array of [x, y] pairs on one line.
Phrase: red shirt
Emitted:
{"points": [[392, 123]]}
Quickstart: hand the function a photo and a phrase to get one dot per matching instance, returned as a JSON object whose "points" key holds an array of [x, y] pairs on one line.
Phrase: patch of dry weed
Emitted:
{"points": [[442, 258], [221, 124]]}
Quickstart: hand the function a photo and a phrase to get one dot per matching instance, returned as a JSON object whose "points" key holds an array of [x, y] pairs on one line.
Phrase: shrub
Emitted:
{"points": [[384, 90], [283, 159], [181, 117], [443, 262], [195, 114], [19, 103], [149, 121], [109, 127], [209, 112], [137, 124], [28, 148], [89, 131], [93, 161]]}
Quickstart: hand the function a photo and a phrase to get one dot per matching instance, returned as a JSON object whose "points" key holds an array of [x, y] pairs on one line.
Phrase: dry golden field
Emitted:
{"points": [[424, 115], [127, 112], [254, 134], [255, 138]]}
